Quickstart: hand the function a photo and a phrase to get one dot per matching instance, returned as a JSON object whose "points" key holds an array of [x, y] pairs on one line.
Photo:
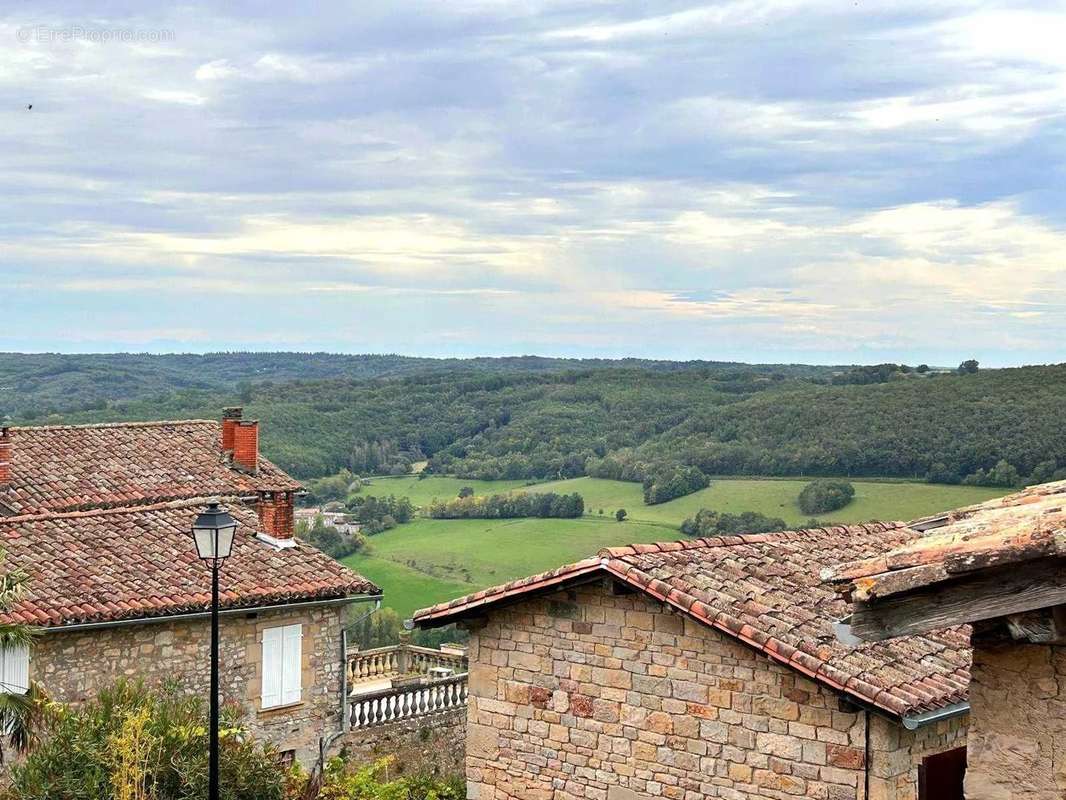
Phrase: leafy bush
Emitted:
{"points": [[340, 781], [330, 540], [130, 743], [819, 497], [670, 484], [509, 506], [1002, 474], [133, 744], [620, 515], [377, 514], [710, 523]]}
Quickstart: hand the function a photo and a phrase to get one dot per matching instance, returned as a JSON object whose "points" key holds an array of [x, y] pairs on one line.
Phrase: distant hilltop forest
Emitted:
{"points": [[660, 422]]}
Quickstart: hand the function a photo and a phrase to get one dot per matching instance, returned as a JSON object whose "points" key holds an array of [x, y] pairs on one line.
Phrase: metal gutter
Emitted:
{"points": [[228, 612], [913, 723]]}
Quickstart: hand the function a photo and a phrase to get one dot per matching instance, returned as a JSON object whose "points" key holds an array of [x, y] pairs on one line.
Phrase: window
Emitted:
{"points": [[282, 661], [940, 776], [14, 669]]}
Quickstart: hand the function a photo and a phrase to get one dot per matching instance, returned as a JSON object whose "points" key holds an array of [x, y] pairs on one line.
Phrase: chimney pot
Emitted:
{"points": [[246, 445], [230, 417], [5, 456]]}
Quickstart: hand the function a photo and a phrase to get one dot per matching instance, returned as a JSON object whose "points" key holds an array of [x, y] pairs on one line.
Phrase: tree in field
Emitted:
{"points": [[466, 491], [620, 515], [20, 706], [968, 367], [819, 497]]}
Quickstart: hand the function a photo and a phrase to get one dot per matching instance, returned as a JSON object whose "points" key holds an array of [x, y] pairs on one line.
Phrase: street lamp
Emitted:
{"points": [[213, 533]]}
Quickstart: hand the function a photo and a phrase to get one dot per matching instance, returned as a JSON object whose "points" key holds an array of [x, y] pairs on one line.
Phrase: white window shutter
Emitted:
{"points": [[272, 667], [292, 672], [15, 669]]}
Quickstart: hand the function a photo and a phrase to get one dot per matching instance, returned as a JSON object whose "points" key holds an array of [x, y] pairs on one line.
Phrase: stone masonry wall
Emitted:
{"points": [[433, 745], [73, 666], [896, 753], [1018, 722], [586, 694]]}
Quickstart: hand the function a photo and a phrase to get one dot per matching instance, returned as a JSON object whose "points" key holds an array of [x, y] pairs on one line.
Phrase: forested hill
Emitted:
{"points": [[40, 385], [500, 422]]}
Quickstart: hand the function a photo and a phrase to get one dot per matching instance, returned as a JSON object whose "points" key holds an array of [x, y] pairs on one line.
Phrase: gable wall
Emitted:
{"points": [[1018, 730], [585, 694], [73, 666]]}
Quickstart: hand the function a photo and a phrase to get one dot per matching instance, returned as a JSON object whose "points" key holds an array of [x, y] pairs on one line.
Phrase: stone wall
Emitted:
{"points": [[433, 745], [73, 666], [586, 694], [1017, 747], [896, 753]]}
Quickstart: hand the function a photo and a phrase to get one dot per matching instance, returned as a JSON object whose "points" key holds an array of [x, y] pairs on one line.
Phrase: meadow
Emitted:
{"points": [[428, 561]]}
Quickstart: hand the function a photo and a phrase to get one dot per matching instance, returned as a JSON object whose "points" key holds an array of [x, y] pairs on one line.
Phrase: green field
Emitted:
{"points": [[427, 561]]}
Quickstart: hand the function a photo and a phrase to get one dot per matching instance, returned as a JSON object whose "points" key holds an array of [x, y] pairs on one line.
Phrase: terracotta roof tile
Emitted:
{"points": [[765, 590], [114, 564], [1020, 527], [76, 467]]}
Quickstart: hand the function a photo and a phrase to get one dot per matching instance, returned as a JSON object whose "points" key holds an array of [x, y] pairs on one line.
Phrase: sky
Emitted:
{"points": [[776, 181]]}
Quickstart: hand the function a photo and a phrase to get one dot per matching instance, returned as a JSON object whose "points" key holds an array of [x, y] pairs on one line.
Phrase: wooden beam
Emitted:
{"points": [[988, 594]]}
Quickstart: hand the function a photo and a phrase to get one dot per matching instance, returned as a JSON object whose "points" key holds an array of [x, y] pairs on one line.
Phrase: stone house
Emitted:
{"points": [[1000, 566], [706, 668], [98, 517]]}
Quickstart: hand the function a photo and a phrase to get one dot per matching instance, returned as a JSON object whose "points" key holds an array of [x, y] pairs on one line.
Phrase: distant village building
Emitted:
{"points": [[98, 516], [707, 669], [1001, 566], [335, 519]]}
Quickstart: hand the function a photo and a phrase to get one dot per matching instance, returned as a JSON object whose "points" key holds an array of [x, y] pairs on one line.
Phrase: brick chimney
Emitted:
{"points": [[5, 456], [246, 445], [230, 417], [276, 518]]}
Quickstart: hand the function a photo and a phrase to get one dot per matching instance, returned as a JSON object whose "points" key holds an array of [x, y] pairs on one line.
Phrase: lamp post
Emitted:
{"points": [[213, 533]]}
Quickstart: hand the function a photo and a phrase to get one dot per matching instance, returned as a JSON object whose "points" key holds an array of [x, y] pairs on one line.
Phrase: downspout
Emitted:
{"points": [[866, 760], [326, 742]]}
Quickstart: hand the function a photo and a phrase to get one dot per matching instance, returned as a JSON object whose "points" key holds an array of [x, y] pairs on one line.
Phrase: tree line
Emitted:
{"points": [[508, 506]]}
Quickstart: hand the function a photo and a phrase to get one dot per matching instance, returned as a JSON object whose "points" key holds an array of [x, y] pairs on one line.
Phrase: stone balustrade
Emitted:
{"points": [[407, 702], [402, 660]]}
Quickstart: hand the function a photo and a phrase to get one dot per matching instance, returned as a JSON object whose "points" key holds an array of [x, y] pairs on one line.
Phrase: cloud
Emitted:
{"points": [[741, 179]]}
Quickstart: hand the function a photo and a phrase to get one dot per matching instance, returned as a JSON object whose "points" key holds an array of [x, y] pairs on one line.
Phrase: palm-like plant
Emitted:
{"points": [[20, 707]]}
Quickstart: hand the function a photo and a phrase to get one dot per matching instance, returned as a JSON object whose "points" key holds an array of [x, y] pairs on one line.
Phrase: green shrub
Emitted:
{"points": [[340, 781], [1002, 474], [711, 523], [673, 483], [130, 743], [819, 497], [330, 540], [133, 744]]}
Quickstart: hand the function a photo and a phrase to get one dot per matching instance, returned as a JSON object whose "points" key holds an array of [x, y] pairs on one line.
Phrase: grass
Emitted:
{"points": [[406, 589], [776, 498], [428, 561]]}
